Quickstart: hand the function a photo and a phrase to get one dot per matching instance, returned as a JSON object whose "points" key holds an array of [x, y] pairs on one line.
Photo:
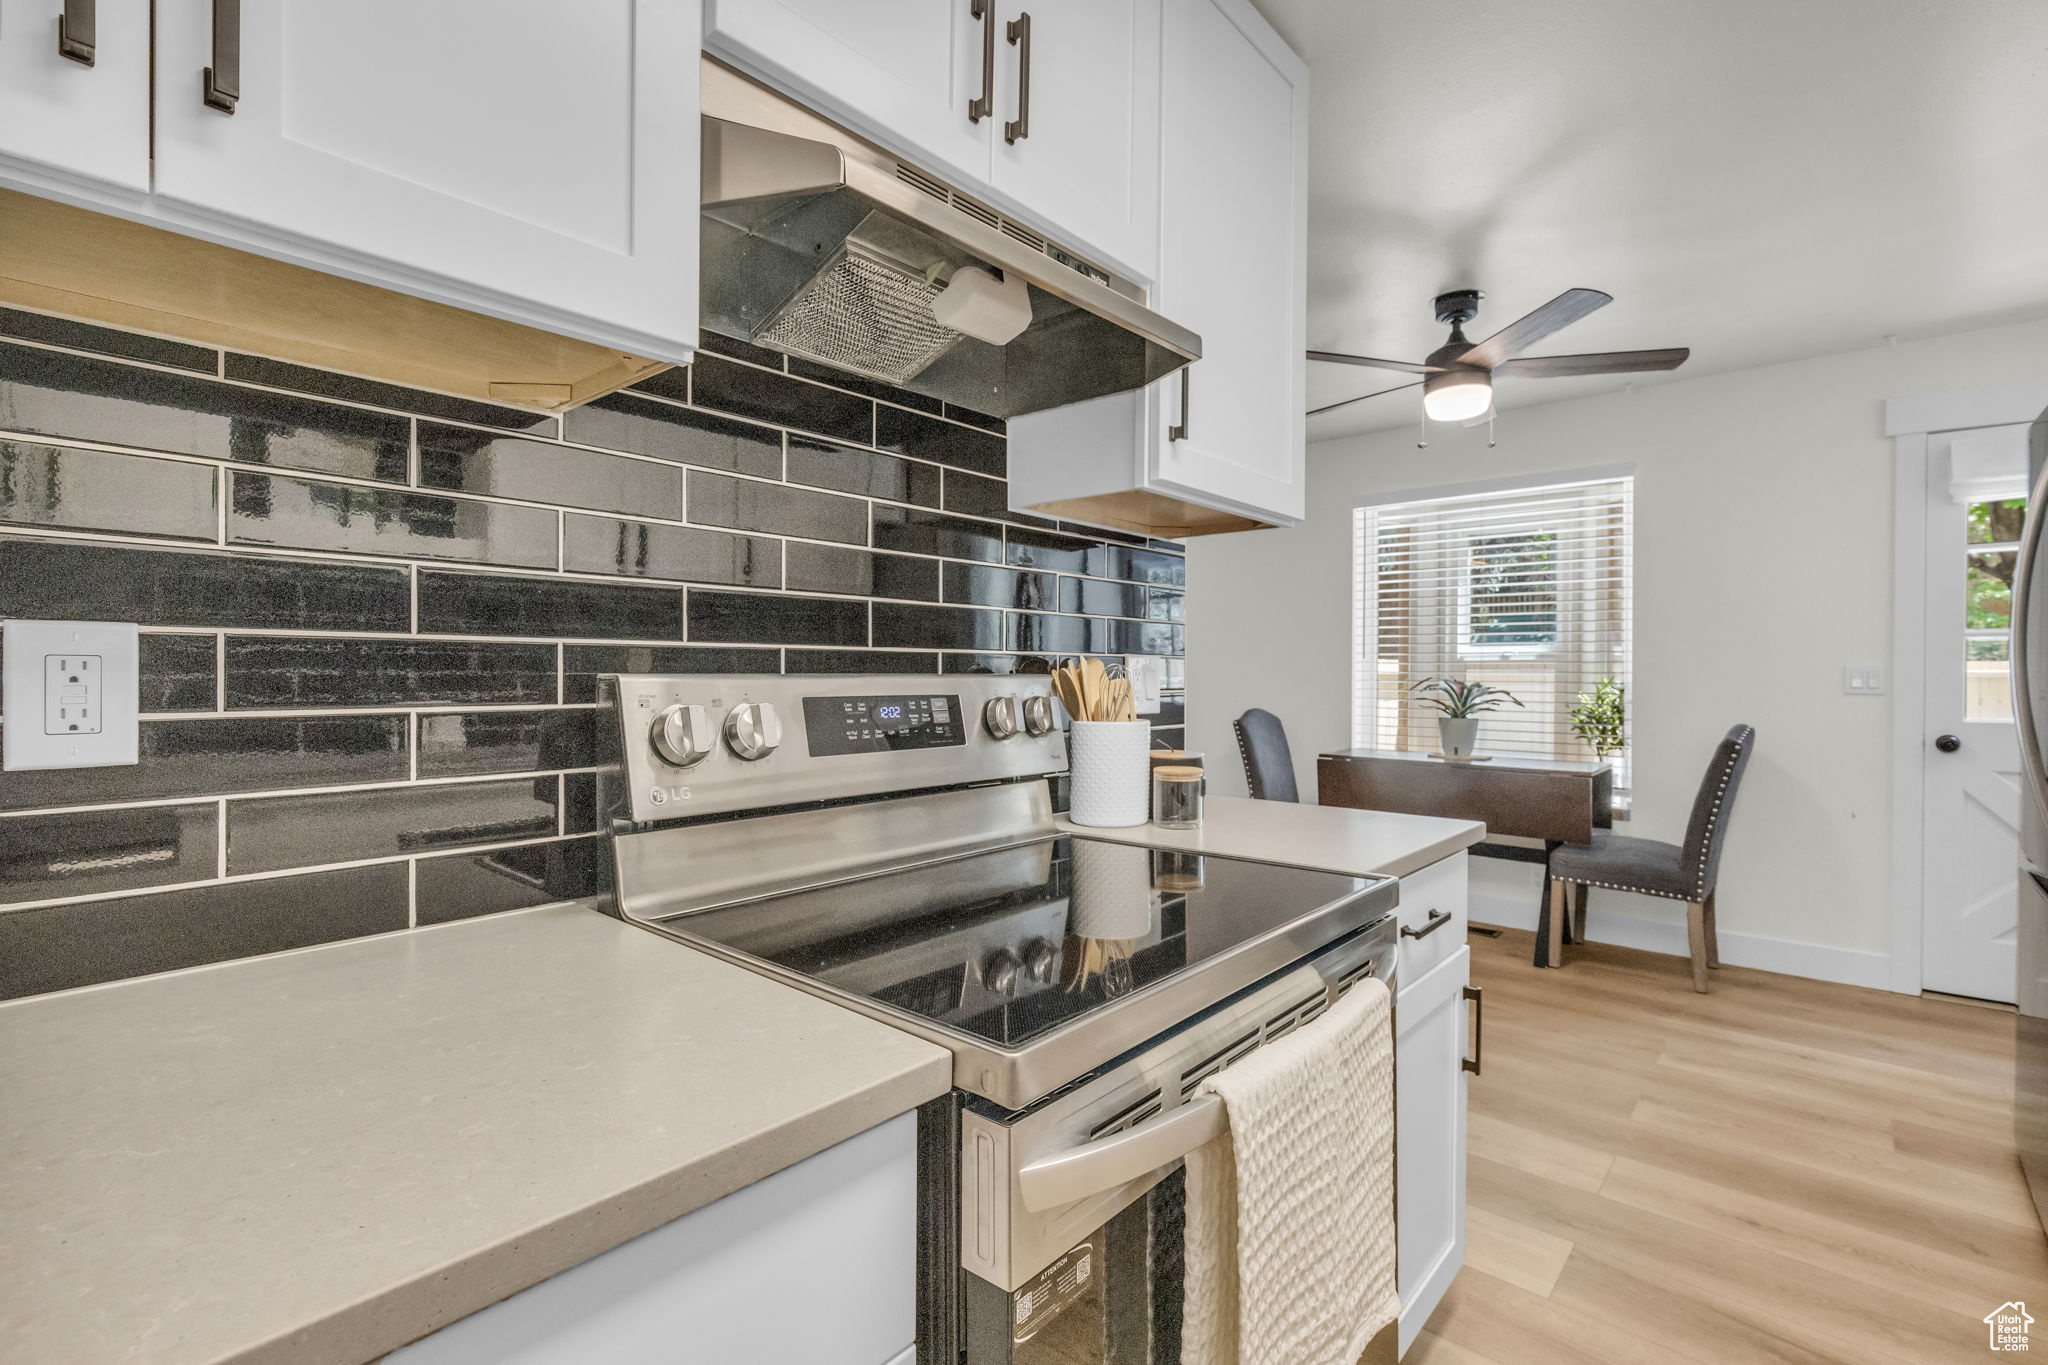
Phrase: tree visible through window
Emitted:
{"points": [[1511, 594], [1993, 531]]}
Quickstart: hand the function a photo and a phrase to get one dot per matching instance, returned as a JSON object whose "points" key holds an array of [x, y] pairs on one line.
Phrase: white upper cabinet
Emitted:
{"points": [[62, 120], [1218, 447], [529, 159], [1077, 143], [903, 73], [1072, 150], [1233, 260]]}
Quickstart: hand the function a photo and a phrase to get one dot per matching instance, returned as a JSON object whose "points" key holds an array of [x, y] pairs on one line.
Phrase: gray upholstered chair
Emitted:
{"points": [[1268, 764], [1654, 868]]}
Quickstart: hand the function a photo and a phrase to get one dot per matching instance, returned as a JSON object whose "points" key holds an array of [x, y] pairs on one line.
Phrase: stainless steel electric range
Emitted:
{"points": [[889, 843]]}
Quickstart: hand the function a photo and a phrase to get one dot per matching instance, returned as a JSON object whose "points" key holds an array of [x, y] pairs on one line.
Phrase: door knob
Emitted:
{"points": [[1948, 744]]}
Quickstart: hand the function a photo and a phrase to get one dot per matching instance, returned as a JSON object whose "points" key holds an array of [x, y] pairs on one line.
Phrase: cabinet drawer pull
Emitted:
{"points": [[1437, 920], [1179, 430], [78, 31], [984, 104], [1477, 995], [1018, 31], [220, 86]]}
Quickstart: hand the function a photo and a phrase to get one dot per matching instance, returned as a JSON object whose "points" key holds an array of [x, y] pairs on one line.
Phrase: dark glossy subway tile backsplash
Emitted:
{"points": [[461, 460], [87, 581], [275, 672], [375, 618], [47, 393], [97, 490]]}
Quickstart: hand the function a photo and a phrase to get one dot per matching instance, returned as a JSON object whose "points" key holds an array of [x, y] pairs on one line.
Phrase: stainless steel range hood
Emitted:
{"points": [[820, 245]]}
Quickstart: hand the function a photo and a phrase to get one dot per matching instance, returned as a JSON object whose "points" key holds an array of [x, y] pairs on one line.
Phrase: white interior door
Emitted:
{"points": [[1976, 501], [531, 159]]}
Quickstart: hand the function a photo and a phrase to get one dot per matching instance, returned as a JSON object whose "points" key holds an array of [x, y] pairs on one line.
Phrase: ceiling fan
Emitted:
{"points": [[1457, 383]]}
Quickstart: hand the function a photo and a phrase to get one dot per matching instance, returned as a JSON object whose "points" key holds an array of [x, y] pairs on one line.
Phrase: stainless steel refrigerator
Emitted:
{"points": [[2030, 695]]}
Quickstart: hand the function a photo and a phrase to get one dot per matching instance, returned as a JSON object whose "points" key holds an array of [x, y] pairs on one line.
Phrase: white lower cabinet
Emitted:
{"points": [[1429, 1085], [817, 1263]]}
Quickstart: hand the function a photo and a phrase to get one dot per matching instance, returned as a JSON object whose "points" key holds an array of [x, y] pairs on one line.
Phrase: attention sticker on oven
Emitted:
{"points": [[1053, 1290]]}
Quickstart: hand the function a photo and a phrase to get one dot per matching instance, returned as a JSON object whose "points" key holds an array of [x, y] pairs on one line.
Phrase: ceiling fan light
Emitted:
{"points": [[1457, 395]]}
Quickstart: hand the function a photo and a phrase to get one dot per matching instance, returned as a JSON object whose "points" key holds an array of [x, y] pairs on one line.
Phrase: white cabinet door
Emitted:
{"points": [[1429, 1094], [1077, 149], [1232, 266], [530, 159], [1232, 262], [817, 1263], [61, 120], [901, 73]]}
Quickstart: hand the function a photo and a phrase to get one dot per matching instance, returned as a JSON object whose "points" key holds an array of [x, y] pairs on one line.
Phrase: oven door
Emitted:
{"points": [[1072, 1211], [1113, 1298]]}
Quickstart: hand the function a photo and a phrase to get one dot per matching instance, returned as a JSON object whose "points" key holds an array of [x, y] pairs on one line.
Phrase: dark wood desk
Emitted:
{"points": [[1527, 798]]}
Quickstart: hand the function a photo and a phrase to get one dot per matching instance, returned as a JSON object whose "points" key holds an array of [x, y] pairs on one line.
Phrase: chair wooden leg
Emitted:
{"points": [[1558, 890], [1581, 893], [1696, 934], [1713, 933]]}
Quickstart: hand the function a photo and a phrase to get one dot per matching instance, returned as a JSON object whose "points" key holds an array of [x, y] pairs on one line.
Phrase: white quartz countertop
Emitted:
{"points": [[1329, 838], [319, 1156]]}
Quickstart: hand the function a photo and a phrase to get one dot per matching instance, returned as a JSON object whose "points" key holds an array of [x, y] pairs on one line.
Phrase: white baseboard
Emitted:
{"points": [[1509, 905]]}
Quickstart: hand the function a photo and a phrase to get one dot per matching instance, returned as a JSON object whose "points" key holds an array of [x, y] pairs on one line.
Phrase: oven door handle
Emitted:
{"points": [[1106, 1163]]}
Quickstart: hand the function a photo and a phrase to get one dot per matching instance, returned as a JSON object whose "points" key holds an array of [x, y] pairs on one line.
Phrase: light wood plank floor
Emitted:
{"points": [[1780, 1171]]}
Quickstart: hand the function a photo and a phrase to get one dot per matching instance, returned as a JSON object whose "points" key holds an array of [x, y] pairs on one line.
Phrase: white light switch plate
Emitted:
{"points": [[70, 694], [1863, 680], [1148, 676]]}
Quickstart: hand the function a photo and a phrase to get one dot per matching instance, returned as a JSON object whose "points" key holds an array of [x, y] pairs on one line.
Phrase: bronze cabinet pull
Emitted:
{"points": [[1179, 430], [220, 86], [78, 31], [1437, 920], [1018, 31], [1477, 995], [984, 104]]}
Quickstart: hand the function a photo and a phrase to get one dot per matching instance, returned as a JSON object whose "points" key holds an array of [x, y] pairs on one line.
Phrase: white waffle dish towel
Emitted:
{"points": [[1290, 1231]]}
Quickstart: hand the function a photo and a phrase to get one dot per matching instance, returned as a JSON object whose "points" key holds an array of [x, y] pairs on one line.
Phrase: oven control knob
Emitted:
{"points": [[1000, 717], [999, 972], [1038, 716], [683, 736], [1042, 960], [752, 730]]}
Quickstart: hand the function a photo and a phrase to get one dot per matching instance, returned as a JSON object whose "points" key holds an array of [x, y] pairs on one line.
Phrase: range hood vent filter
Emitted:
{"points": [[817, 244], [866, 314]]}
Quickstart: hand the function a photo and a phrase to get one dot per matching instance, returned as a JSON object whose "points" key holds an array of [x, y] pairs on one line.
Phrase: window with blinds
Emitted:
{"points": [[1525, 589]]}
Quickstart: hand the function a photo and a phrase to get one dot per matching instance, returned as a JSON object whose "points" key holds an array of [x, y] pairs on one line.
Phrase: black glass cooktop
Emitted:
{"points": [[1008, 945]]}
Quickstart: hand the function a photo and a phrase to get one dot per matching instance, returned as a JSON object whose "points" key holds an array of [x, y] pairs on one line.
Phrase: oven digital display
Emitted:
{"points": [[879, 725]]}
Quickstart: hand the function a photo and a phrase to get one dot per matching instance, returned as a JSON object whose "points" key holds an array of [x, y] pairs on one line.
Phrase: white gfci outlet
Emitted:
{"points": [[69, 693]]}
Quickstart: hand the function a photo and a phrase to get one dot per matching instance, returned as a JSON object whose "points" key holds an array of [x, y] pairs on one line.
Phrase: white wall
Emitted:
{"points": [[1762, 566]]}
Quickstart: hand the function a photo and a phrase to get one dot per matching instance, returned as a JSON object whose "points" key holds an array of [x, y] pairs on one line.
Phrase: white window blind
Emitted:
{"points": [[1526, 589]]}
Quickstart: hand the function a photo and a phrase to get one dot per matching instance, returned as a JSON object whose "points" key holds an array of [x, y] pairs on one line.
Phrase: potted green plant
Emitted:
{"points": [[1462, 704], [1600, 718]]}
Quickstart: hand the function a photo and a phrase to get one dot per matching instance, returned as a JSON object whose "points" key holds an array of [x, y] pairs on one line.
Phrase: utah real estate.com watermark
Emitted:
{"points": [[2008, 1325]]}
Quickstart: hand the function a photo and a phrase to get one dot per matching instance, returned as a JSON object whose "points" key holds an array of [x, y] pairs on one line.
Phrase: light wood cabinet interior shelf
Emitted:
{"points": [[56, 258]]}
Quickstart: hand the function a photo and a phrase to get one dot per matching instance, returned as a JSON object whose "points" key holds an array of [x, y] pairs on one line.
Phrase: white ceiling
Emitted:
{"points": [[1760, 180]]}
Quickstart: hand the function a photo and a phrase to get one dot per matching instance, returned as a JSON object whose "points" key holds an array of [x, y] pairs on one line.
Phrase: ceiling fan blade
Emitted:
{"points": [[1347, 402], [1405, 366], [1519, 335], [1606, 362]]}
